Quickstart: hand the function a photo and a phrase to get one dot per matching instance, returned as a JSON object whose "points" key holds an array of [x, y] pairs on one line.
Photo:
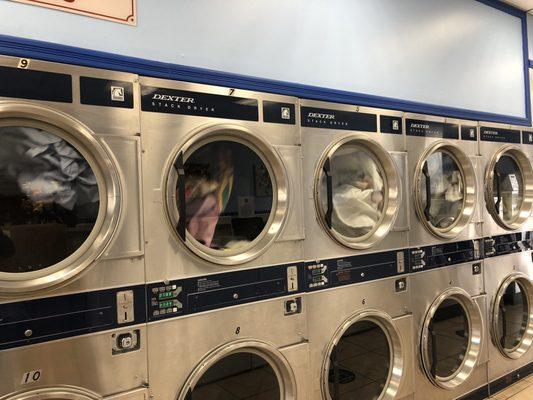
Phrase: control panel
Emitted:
{"points": [[442, 255], [343, 271], [164, 300], [506, 244], [209, 292]]}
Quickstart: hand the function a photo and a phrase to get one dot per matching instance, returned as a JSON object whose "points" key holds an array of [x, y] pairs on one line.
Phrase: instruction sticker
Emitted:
{"points": [[514, 183]]}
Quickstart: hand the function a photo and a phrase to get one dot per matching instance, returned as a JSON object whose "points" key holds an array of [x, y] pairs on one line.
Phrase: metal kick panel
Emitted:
{"points": [[195, 295], [43, 320]]}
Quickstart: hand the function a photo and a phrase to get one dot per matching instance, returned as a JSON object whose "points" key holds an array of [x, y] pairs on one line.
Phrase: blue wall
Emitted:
{"points": [[461, 54]]}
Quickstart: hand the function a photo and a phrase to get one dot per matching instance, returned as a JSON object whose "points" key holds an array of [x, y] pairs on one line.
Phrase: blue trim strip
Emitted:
{"points": [[19, 47]]}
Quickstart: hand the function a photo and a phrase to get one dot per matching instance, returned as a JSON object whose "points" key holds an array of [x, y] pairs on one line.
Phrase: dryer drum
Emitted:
{"points": [[444, 190], [512, 316], [226, 194], [509, 187], [451, 338], [54, 393], [364, 359], [60, 200], [241, 370], [357, 192]]}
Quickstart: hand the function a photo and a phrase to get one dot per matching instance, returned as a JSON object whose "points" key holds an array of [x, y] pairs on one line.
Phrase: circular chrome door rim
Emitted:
{"points": [[527, 179], [391, 185], [53, 393], [276, 360], [468, 177], [475, 339], [527, 338], [280, 190], [396, 367], [103, 166]]}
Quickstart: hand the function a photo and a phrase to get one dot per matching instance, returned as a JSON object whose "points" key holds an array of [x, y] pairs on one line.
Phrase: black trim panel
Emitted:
{"points": [[422, 128], [35, 85], [183, 102], [326, 118], [279, 113], [512, 377], [65, 316], [481, 393], [103, 92], [499, 135], [443, 255]]}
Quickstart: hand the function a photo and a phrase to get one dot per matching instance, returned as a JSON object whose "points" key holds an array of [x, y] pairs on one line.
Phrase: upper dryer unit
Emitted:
{"points": [[508, 178], [222, 179], [354, 180], [445, 180], [72, 287]]}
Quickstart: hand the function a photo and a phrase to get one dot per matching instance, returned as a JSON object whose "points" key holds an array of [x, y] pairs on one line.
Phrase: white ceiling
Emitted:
{"points": [[525, 5]]}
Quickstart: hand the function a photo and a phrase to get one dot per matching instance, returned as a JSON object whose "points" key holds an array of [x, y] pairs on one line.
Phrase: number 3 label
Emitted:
{"points": [[24, 63], [31, 376]]}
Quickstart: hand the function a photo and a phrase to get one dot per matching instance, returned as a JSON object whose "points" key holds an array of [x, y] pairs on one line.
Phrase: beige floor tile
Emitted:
{"points": [[512, 390], [525, 394]]}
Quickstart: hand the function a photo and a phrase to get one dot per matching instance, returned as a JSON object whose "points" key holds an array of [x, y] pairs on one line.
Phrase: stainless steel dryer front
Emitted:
{"points": [[73, 393], [508, 177], [71, 241], [510, 316], [445, 180], [222, 182], [354, 180], [360, 341], [252, 351], [449, 311]]}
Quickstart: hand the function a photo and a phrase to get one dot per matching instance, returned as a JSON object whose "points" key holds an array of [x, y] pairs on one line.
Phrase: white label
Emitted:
{"points": [[514, 182], [24, 63], [31, 376]]}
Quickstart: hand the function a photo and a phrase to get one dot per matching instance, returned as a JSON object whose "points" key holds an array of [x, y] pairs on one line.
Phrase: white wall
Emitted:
{"points": [[457, 53]]}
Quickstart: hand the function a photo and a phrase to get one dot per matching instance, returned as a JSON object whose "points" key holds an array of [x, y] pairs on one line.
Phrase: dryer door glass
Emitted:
{"points": [[238, 376], [228, 194], [513, 315], [357, 192], [49, 199], [360, 363], [448, 338], [507, 188], [442, 190]]}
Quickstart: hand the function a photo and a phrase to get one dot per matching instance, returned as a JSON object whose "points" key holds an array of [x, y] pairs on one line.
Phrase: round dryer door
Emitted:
{"points": [[451, 338], [512, 316], [242, 370], [365, 359], [445, 190], [509, 187], [55, 393], [227, 194], [357, 192], [59, 198]]}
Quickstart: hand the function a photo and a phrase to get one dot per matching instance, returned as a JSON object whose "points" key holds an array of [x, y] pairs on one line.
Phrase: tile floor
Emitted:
{"points": [[521, 390]]}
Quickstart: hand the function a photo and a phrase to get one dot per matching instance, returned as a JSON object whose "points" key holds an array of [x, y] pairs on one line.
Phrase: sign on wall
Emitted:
{"points": [[122, 11]]}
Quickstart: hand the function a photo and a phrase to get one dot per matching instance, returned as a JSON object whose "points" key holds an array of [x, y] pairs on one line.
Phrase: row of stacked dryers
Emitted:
{"points": [[180, 241]]}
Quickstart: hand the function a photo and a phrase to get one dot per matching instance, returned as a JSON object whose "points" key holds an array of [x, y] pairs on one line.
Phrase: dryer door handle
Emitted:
{"points": [[180, 197], [425, 171], [498, 193], [329, 187]]}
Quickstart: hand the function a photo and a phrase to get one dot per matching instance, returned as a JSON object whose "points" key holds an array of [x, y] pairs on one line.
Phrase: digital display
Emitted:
{"points": [[166, 304], [165, 295]]}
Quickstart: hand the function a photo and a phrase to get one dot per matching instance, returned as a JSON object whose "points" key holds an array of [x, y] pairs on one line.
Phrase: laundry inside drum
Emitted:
{"points": [[238, 376], [360, 363], [228, 195], [507, 188], [448, 338], [49, 199], [442, 190], [513, 316], [358, 191]]}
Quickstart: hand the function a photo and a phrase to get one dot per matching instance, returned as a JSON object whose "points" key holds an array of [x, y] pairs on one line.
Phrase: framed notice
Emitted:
{"points": [[122, 11]]}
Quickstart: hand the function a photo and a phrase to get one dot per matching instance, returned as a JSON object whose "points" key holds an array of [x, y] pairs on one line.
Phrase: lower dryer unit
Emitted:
{"points": [[449, 307], [73, 393], [510, 308], [252, 351], [360, 341]]}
